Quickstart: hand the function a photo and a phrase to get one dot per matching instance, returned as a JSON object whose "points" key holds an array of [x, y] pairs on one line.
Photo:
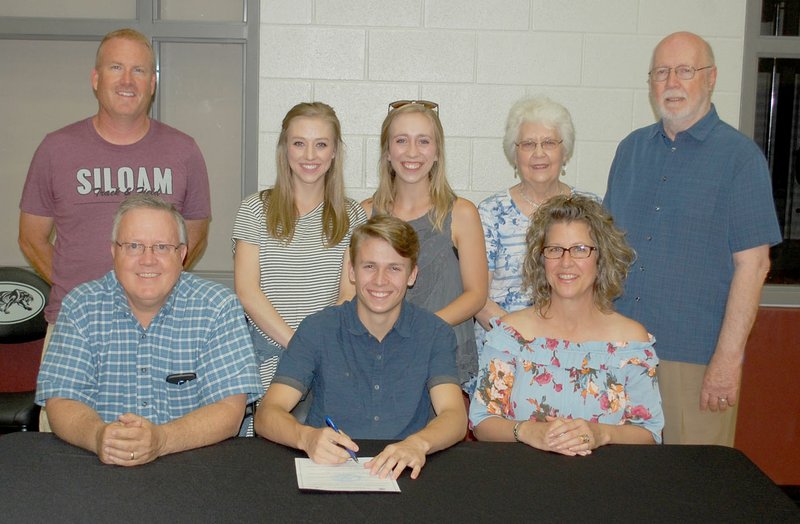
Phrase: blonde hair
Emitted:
{"points": [[395, 232], [127, 34], [614, 255], [441, 194], [279, 207]]}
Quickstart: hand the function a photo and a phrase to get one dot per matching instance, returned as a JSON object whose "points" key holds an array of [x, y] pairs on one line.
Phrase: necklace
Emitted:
{"points": [[529, 200]]}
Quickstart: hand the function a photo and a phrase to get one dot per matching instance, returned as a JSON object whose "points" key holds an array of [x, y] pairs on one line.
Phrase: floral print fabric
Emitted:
{"points": [[603, 382]]}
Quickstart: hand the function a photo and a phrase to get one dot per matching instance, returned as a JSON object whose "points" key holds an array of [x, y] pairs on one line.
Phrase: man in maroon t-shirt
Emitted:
{"points": [[80, 174]]}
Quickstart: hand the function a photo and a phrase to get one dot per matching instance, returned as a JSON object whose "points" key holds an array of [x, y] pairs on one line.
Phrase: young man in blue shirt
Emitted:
{"points": [[375, 365]]}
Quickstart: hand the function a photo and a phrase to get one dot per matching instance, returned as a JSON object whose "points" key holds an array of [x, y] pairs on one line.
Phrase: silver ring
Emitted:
{"points": [[723, 399], [585, 438], [133, 456]]}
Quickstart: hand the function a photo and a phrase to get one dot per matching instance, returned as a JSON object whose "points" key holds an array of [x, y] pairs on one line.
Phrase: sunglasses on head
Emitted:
{"points": [[427, 104]]}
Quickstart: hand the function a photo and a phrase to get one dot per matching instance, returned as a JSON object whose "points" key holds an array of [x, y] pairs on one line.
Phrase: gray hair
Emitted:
{"points": [[148, 201], [538, 110]]}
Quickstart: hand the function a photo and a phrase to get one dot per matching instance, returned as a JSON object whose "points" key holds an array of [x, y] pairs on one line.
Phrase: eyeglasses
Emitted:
{"points": [[683, 72], [576, 251], [529, 146], [427, 104], [136, 249]]}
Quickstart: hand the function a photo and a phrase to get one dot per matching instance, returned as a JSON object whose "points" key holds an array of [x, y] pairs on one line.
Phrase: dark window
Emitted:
{"points": [[777, 131], [780, 17]]}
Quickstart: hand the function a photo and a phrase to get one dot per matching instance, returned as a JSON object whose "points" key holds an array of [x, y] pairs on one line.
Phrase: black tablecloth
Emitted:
{"points": [[252, 480]]}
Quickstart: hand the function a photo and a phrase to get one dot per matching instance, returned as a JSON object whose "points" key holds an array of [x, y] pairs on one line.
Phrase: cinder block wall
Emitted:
{"points": [[475, 58]]}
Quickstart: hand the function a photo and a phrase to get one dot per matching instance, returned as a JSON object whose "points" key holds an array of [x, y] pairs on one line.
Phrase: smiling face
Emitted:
{"points": [[148, 279], [412, 147], [123, 79], [310, 148], [381, 277], [681, 103], [539, 166], [570, 278]]}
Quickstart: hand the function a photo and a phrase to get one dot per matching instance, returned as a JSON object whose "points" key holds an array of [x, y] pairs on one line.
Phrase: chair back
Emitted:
{"points": [[23, 297]]}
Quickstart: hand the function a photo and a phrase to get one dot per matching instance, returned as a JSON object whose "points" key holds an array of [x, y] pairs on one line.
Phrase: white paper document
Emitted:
{"points": [[348, 476]]}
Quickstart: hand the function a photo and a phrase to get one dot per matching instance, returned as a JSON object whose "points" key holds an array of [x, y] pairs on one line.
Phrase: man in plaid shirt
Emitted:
{"points": [[148, 360]]}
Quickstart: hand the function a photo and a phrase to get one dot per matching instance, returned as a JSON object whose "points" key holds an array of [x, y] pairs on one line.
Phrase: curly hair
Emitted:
{"points": [[614, 255], [537, 110]]}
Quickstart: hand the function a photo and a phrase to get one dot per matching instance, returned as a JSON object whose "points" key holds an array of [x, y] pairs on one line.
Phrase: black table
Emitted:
{"points": [[252, 480]]}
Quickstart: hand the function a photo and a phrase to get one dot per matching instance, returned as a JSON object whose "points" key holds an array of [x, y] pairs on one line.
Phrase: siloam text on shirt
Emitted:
{"points": [[125, 180]]}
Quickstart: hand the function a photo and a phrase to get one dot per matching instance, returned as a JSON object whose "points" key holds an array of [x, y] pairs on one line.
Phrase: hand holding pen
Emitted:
{"points": [[332, 425]]}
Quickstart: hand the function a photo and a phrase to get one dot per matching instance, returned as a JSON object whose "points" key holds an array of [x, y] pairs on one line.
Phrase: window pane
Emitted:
{"points": [[207, 10], [92, 9], [780, 17], [777, 131], [45, 86], [201, 90]]}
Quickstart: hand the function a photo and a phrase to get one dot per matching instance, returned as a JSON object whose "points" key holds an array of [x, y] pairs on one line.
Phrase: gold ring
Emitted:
{"points": [[133, 456], [585, 438]]}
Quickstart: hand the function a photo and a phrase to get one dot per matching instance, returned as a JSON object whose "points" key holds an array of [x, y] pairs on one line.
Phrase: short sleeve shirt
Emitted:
{"points": [[100, 355], [687, 205], [372, 389], [302, 276], [78, 179]]}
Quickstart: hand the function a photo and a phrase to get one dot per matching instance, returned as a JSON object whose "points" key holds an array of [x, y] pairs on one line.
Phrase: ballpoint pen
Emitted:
{"points": [[331, 425]]}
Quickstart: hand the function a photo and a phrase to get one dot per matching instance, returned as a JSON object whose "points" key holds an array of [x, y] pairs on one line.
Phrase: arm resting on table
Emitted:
{"points": [[132, 440], [447, 427], [275, 422]]}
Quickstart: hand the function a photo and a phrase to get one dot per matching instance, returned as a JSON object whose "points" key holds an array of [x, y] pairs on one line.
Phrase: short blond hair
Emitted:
{"points": [[127, 34], [397, 233]]}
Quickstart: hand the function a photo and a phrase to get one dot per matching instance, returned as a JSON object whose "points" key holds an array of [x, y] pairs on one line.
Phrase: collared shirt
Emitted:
{"points": [[101, 355], [687, 206], [372, 389]]}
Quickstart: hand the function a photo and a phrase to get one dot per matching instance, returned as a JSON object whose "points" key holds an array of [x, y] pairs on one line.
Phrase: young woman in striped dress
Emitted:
{"points": [[290, 241]]}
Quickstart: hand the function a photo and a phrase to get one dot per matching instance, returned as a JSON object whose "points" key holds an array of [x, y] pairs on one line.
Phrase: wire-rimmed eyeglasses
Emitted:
{"points": [[683, 72], [529, 146], [137, 249]]}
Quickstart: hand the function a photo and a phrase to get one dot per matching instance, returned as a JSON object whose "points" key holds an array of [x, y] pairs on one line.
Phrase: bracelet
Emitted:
{"points": [[516, 431]]}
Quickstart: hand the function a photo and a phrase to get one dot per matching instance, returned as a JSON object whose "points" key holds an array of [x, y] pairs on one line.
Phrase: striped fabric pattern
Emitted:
{"points": [[301, 277]]}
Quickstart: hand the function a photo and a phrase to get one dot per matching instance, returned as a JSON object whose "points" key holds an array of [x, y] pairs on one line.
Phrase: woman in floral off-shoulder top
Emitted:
{"points": [[569, 374]]}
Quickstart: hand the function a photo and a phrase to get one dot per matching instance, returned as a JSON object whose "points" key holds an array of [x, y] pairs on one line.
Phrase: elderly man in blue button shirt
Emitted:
{"points": [[148, 360], [375, 365], [694, 196]]}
